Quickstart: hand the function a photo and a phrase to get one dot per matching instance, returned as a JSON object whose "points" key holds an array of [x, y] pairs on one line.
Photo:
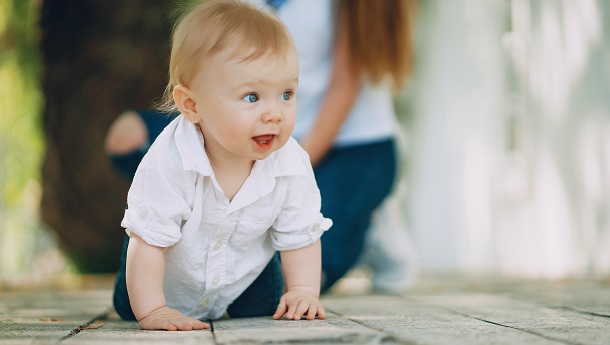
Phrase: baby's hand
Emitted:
{"points": [[171, 320], [295, 304]]}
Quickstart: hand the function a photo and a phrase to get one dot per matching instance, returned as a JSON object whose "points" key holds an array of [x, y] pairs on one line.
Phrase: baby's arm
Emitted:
{"points": [[144, 274], [302, 268]]}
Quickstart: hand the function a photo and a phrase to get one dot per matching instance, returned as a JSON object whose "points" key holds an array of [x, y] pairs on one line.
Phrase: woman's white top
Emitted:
{"points": [[216, 248], [311, 24]]}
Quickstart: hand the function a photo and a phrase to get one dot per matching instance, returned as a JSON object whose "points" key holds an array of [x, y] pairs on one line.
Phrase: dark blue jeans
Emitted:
{"points": [[353, 182], [261, 298]]}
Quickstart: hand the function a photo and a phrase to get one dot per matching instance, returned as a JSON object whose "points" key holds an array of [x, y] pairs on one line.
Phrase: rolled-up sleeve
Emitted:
{"points": [[158, 202], [300, 222]]}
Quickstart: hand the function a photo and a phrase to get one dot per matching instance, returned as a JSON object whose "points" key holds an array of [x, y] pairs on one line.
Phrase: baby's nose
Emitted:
{"points": [[273, 114]]}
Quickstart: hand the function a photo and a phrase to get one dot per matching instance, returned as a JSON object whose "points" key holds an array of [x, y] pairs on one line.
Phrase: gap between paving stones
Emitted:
{"points": [[507, 326], [381, 339], [84, 326], [581, 311]]}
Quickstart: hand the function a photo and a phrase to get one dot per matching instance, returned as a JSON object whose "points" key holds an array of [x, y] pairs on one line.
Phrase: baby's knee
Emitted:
{"points": [[126, 134]]}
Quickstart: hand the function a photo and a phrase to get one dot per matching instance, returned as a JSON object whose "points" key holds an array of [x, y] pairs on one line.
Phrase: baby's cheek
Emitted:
{"points": [[290, 120], [236, 129]]}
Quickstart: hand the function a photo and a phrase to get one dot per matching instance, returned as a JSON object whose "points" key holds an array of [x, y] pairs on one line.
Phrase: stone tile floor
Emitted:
{"points": [[438, 309]]}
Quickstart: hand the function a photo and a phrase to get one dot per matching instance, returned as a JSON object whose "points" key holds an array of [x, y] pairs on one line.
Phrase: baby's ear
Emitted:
{"points": [[184, 99]]}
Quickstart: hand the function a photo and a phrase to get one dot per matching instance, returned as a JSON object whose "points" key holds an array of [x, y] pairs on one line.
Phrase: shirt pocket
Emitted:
{"points": [[253, 228]]}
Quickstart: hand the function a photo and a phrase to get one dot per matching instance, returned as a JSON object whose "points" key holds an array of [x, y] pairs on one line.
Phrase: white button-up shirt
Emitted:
{"points": [[217, 248]]}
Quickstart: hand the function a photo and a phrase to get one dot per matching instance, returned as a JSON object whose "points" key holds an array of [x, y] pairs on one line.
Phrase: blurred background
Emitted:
{"points": [[506, 121]]}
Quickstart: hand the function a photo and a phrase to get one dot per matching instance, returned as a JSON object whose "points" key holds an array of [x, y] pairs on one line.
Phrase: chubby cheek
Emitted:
{"points": [[236, 132], [230, 121], [289, 123]]}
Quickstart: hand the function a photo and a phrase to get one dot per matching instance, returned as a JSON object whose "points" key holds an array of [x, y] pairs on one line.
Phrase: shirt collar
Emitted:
{"points": [[287, 161], [263, 177], [190, 145]]}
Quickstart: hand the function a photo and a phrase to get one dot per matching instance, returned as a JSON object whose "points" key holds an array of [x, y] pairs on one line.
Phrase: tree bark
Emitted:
{"points": [[100, 58]]}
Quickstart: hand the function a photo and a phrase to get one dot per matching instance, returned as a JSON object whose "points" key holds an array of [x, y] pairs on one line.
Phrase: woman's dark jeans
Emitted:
{"points": [[353, 182]]}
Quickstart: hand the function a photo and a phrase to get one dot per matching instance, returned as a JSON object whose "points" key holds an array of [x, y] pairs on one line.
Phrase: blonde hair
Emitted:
{"points": [[214, 25], [379, 38]]}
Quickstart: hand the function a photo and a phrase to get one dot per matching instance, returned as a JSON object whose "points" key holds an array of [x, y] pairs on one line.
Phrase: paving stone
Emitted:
{"points": [[333, 330], [559, 324], [112, 330], [412, 321], [441, 310], [34, 331], [596, 300]]}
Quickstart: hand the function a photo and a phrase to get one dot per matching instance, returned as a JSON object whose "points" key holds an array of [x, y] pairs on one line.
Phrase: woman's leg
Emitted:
{"points": [[353, 181]]}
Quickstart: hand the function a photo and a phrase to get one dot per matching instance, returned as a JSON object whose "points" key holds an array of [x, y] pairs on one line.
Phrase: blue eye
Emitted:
{"points": [[251, 98], [286, 95]]}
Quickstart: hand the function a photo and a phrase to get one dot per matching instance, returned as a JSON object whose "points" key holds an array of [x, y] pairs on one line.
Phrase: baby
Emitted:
{"points": [[224, 186]]}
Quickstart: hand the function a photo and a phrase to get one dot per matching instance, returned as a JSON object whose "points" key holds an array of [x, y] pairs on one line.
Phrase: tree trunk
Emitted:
{"points": [[100, 57]]}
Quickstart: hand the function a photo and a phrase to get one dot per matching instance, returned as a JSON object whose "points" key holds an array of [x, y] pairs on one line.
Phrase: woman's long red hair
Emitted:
{"points": [[380, 38]]}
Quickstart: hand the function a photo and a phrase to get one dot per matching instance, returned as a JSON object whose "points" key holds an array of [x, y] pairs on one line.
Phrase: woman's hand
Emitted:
{"points": [[295, 304], [169, 319]]}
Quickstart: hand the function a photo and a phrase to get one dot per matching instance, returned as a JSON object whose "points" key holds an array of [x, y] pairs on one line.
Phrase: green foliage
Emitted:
{"points": [[27, 251], [20, 99]]}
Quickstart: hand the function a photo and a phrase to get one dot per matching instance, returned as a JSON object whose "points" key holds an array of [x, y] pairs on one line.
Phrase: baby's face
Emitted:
{"points": [[247, 108]]}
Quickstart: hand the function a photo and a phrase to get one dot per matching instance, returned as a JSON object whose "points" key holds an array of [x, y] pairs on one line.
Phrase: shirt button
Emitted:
{"points": [[215, 280], [143, 215], [316, 228], [218, 245], [204, 302]]}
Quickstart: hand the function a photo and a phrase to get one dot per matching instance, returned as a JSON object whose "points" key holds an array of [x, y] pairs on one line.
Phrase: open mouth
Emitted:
{"points": [[263, 142]]}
